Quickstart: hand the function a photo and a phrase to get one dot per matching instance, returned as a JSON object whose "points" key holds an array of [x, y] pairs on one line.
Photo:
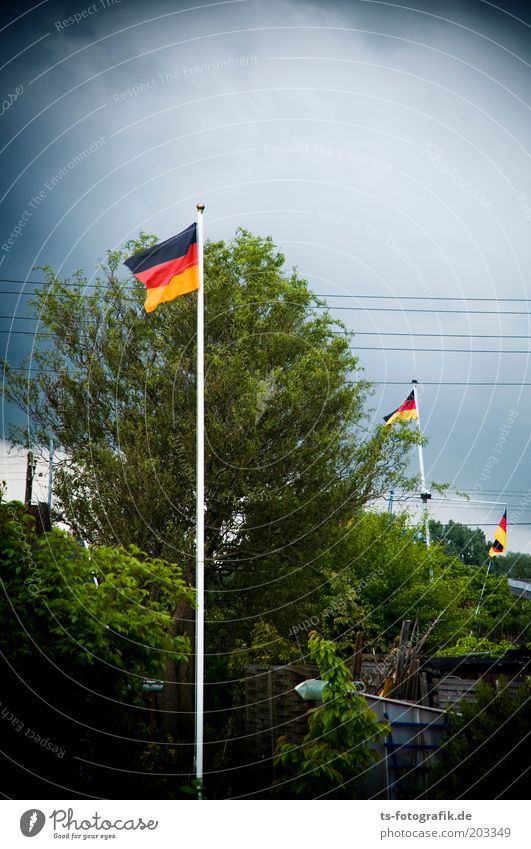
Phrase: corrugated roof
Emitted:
{"points": [[519, 587]]}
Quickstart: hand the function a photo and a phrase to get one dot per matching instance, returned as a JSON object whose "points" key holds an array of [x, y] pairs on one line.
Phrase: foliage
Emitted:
{"points": [[336, 750], [471, 644], [288, 447], [390, 575], [49, 589], [291, 456], [502, 617], [75, 655], [266, 647], [485, 751], [383, 573], [515, 564], [468, 544]]}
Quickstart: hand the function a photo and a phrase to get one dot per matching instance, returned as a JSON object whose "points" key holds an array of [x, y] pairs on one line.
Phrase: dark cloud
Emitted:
{"points": [[385, 148]]}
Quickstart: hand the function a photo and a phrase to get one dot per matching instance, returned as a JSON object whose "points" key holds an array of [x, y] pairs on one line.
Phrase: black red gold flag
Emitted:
{"points": [[406, 412], [168, 269], [500, 537]]}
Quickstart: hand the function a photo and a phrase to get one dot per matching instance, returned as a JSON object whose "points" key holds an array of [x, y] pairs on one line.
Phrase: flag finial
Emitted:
{"points": [[200, 207]]}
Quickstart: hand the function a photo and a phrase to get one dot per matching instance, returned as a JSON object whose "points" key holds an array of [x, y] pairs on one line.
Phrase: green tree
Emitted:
{"points": [[384, 574], [485, 753], [381, 573], [515, 564], [87, 604], [289, 452], [336, 750], [289, 455], [75, 654], [468, 544]]}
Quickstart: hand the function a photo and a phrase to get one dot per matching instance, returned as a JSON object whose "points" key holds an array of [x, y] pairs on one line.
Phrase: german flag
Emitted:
{"points": [[500, 537], [168, 269], [405, 412]]}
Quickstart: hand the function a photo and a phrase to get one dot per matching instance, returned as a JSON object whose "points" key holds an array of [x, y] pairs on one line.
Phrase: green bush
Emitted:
{"points": [[336, 750], [485, 752]]}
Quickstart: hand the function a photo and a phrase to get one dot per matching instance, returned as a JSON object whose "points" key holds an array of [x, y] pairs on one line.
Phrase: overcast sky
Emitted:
{"points": [[386, 149]]}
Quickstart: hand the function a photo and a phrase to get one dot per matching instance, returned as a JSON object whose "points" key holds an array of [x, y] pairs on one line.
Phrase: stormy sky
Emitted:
{"points": [[385, 148]]}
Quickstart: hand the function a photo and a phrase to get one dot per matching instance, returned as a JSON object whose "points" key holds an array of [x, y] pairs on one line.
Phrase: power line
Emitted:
{"points": [[443, 335], [431, 311], [444, 350], [33, 332], [404, 382], [445, 383], [500, 492], [24, 282], [363, 333], [414, 350], [428, 298]]}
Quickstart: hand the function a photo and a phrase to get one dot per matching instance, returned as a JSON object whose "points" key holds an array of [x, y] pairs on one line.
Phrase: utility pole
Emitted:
{"points": [[425, 494]]}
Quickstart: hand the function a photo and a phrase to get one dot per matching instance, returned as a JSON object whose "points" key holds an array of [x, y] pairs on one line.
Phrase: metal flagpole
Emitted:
{"points": [[483, 587], [424, 494], [200, 515]]}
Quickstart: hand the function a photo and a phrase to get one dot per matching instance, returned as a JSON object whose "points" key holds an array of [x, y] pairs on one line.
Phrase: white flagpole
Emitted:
{"points": [[200, 514], [424, 494], [484, 585]]}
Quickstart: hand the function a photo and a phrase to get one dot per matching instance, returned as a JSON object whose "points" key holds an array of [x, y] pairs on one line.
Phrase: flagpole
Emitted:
{"points": [[424, 494], [484, 585], [200, 515]]}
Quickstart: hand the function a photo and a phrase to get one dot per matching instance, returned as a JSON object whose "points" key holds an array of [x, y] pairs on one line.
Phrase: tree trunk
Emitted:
{"points": [[177, 700]]}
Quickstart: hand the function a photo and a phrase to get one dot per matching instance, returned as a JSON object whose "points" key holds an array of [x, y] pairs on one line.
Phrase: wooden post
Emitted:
{"points": [[30, 469], [357, 657], [423, 682], [388, 684], [402, 654]]}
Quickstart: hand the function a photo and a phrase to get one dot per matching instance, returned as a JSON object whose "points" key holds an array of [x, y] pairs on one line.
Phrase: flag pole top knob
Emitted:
{"points": [[200, 207], [414, 381]]}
